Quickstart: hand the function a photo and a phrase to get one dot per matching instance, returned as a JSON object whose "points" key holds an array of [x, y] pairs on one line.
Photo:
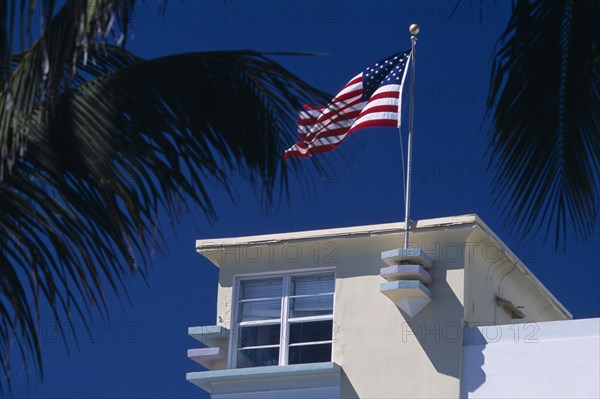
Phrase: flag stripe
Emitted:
{"points": [[370, 99]]}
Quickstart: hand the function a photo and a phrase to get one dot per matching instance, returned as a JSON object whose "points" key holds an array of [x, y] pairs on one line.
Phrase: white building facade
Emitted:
{"points": [[347, 313]]}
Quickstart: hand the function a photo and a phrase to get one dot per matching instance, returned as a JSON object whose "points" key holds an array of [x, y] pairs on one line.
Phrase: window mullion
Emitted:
{"points": [[233, 341], [285, 327], [329, 341], [264, 322], [308, 319]]}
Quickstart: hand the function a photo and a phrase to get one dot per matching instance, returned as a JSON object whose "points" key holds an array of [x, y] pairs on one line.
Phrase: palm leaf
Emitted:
{"points": [[111, 143], [544, 104], [78, 29]]}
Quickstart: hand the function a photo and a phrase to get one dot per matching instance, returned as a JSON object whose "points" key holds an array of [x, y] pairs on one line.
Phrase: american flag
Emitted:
{"points": [[371, 98]]}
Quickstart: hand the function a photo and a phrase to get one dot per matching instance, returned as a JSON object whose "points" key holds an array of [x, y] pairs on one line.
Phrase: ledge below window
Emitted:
{"points": [[313, 380]]}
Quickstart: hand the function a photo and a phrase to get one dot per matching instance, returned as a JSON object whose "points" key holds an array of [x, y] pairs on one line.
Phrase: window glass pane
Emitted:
{"points": [[310, 354], [311, 306], [266, 288], [257, 357], [310, 285], [260, 310], [311, 332], [260, 335]]}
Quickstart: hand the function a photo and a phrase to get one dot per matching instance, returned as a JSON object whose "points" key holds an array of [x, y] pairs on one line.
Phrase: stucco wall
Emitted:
{"points": [[559, 359]]}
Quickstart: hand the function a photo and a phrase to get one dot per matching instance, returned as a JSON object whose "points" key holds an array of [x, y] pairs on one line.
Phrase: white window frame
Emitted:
{"points": [[285, 321]]}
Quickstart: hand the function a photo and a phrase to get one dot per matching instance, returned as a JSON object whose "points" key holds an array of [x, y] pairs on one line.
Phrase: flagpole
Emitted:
{"points": [[414, 30]]}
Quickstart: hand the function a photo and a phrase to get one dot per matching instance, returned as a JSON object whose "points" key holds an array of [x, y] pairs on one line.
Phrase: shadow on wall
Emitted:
{"points": [[438, 327], [473, 375]]}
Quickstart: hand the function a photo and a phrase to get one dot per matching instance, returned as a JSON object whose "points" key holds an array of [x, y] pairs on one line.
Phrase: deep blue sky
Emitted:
{"points": [[141, 351]]}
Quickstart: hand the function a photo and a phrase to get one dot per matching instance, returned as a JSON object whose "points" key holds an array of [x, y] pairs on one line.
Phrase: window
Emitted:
{"points": [[284, 320]]}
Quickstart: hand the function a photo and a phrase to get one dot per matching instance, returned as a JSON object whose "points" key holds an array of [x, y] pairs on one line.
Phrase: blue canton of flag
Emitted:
{"points": [[388, 71]]}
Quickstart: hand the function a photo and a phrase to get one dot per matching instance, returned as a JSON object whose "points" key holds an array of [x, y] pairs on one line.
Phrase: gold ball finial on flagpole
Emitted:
{"points": [[414, 29]]}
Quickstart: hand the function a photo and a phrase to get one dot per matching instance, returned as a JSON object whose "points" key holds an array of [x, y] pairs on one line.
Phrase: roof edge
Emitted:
{"points": [[205, 245]]}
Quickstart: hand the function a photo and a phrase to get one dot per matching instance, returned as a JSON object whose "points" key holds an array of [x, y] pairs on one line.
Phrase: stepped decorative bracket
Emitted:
{"points": [[217, 340], [407, 278]]}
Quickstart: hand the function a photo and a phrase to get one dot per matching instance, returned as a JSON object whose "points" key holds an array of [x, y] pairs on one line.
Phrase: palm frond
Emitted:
{"points": [[125, 139], [77, 30], [545, 108], [112, 140]]}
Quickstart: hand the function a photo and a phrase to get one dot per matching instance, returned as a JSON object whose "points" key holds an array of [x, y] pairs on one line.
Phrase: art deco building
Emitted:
{"points": [[349, 313]]}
